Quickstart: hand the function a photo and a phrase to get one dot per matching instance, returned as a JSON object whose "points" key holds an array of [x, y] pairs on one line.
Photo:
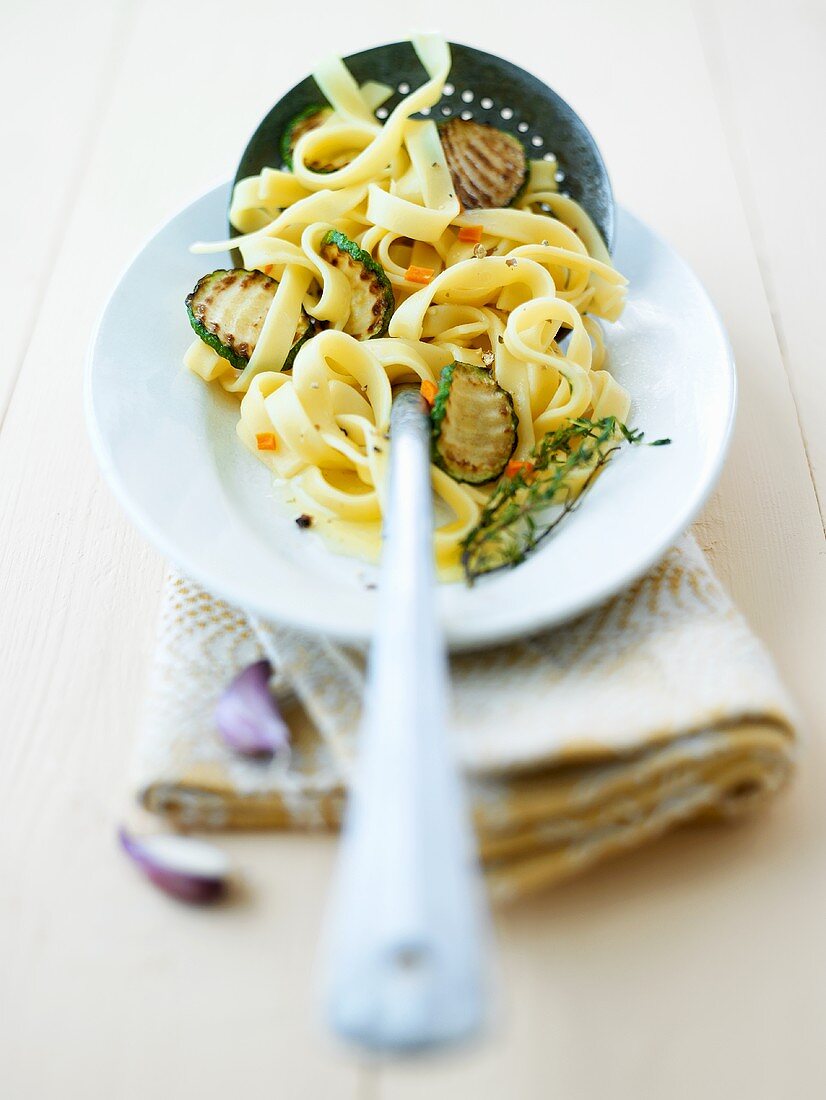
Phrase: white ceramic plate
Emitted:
{"points": [[168, 447]]}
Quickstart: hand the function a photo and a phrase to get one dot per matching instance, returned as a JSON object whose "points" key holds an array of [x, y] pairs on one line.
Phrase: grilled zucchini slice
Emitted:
{"points": [[227, 309], [371, 298], [474, 424], [488, 166], [310, 119]]}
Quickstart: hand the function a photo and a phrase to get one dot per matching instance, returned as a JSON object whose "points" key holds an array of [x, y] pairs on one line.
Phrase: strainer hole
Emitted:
{"points": [[404, 88], [522, 127], [381, 112], [446, 110], [448, 89], [424, 111], [536, 141], [467, 115], [559, 176], [486, 102], [549, 156], [467, 95], [506, 112]]}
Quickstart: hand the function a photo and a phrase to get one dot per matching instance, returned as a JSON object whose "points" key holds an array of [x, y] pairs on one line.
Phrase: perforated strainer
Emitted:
{"points": [[482, 87], [406, 968]]}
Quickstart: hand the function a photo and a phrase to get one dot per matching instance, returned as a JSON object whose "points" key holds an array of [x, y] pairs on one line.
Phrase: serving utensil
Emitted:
{"points": [[483, 87], [406, 942]]}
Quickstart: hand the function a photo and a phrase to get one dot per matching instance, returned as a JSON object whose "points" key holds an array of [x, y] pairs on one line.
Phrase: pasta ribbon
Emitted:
{"points": [[521, 292]]}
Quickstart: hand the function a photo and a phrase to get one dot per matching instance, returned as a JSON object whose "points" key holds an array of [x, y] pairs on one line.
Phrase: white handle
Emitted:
{"points": [[407, 938]]}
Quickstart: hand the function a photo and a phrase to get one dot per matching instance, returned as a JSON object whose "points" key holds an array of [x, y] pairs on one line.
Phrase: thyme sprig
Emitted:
{"points": [[531, 503]]}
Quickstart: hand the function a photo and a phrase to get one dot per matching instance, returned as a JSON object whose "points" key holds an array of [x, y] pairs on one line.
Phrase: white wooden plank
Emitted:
{"points": [[110, 990], [674, 972], [772, 90], [59, 61]]}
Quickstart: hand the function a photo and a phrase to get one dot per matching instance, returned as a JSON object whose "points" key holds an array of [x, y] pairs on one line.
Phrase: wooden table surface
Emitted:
{"points": [[694, 968]]}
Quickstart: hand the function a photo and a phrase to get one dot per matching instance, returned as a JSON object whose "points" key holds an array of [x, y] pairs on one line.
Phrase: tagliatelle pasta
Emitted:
{"points": [[500, 296]]}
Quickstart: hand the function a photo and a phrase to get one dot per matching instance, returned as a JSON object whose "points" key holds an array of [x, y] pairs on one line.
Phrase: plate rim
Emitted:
{"points": [[478, 636]]}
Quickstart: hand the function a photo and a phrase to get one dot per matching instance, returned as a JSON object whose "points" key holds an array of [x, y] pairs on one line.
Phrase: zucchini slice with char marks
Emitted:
{"points": [[371, 295], [474, 424], [488, 166], [309, 119], [227, 309]]}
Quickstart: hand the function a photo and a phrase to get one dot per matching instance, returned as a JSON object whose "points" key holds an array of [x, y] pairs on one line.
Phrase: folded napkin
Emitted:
{"points": [[658, 708]]}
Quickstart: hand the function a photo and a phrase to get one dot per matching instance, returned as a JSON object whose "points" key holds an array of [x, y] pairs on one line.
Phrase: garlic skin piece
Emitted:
{"points": [[188, 870], [247, 715]]}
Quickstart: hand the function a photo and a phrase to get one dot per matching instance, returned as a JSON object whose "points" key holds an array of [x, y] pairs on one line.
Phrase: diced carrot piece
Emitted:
{"points": [[515, 467], [471, 233], [416, 274], [428, 391], [266, 268], [265, 441]]}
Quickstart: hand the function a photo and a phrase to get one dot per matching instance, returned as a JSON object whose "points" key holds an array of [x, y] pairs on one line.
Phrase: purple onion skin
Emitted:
{"points": [[193, 889], [247, 715]]}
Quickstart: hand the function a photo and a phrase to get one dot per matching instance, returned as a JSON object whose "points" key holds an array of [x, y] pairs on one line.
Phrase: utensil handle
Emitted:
{"points": [[407, 931]]}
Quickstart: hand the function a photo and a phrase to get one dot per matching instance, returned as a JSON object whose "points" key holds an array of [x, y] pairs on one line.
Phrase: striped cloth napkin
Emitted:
{"points": [[658, 708]]}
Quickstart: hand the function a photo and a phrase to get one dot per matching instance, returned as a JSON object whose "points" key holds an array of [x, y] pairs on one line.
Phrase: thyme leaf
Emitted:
{"points": [[531, 503]]}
